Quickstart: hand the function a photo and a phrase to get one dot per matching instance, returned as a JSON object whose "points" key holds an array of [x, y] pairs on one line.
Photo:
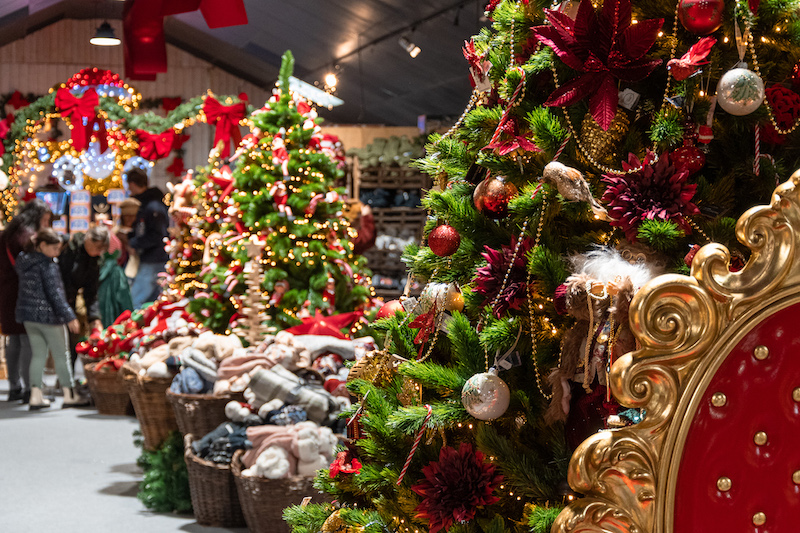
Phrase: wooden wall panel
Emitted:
{"points": [[52, 55]]}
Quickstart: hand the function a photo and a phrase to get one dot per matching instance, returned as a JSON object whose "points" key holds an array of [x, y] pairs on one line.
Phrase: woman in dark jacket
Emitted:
{"points": [[33, 216], [43, 308]]}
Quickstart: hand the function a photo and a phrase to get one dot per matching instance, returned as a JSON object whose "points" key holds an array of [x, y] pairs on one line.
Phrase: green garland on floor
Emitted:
{"points": [[165, 486]]}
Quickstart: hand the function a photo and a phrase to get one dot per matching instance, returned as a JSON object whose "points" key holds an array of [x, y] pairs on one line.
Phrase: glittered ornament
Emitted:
{"points": [[390, 308], [444, 240], [688, 157], [701, 17], [485, 396], [335, 524], [492, 195], [786, 108], [601, 143], [740, 91]]}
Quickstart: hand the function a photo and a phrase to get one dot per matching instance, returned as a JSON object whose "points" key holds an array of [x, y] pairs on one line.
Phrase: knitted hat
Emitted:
{"points": [[129, 206]]}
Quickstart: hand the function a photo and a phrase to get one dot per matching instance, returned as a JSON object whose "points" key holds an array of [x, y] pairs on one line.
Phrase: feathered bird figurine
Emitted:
{"points": [[689, 62], [572, 186]]}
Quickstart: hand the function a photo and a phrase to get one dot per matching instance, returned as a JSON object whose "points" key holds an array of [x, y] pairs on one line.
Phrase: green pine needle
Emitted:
{"points": [[541, 518], [662, 235], [667, 129], [287, 68]]}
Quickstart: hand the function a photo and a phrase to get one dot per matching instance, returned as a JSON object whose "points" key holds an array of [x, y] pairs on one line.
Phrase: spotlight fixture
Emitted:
{"points": [[331, 80], [105, 36], [412, 49]]}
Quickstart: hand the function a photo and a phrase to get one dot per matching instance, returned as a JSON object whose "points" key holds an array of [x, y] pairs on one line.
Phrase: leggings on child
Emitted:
{"points": [[51, 338]]}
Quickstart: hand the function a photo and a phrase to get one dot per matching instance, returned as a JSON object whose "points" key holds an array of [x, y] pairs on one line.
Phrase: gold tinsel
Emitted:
{"points": [[376, 367], [603, 144]]}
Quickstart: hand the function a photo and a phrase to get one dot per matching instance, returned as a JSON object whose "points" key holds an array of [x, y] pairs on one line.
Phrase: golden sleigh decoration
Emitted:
{"points": [[718, 374]]}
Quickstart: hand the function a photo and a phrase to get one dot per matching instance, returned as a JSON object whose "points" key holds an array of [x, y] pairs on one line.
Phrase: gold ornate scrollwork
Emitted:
{"points": [[680, 322]]}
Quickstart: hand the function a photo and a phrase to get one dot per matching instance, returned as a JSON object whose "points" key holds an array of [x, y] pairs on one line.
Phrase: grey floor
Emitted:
{"points": [[74, 471]]}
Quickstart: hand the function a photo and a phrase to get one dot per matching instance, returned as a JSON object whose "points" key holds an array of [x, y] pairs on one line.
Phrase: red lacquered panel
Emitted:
{"points": [[751, 436]]}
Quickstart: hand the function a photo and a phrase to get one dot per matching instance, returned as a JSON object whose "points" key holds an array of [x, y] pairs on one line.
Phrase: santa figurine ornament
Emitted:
{"points": [[598, 295]]}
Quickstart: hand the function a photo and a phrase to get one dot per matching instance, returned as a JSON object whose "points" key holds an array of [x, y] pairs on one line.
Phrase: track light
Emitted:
{"points": [[105, 36], [331, 80], [412, 49]]}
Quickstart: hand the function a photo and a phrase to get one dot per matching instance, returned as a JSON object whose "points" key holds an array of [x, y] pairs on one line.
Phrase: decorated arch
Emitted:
{"points": [[89, 130]]}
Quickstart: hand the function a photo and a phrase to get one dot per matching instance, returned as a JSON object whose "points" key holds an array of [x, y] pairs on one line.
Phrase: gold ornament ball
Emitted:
{"points": [[454, 301], [492, 195]]}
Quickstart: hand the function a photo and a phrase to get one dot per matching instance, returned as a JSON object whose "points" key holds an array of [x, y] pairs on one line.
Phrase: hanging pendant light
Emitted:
{"points": [[105, 36]]}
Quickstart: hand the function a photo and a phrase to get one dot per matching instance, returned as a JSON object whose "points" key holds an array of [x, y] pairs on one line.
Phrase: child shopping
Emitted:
{"points": [[42, 307]]}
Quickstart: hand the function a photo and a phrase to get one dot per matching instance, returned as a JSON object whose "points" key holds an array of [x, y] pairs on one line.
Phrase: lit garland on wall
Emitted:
{"points": [[27, 155]]}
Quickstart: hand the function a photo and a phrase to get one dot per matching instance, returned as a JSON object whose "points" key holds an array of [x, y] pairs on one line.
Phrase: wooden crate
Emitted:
{"points": [[398, 217], [384, 262], [392, 178]]}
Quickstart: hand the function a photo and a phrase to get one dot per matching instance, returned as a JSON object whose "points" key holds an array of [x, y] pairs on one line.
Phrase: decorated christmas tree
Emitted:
{"points": [[277, 191], [603, 143]]}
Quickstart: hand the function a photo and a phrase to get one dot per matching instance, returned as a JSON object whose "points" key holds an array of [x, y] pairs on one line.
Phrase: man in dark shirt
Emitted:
{"points": [[149, 234], [79, 263]]}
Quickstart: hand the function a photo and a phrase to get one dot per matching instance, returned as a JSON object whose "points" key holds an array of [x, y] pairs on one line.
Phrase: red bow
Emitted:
{"points": [[155, 146], [78, 109], [224, 180], [226, 118], [17, 101], [171, 103]]}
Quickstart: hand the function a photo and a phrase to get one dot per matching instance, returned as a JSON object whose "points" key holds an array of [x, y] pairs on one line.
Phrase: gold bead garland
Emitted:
{"points": [[536, 243]]}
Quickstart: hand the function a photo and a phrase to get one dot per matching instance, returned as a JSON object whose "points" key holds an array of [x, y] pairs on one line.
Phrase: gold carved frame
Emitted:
{"points": [[686, 326]]}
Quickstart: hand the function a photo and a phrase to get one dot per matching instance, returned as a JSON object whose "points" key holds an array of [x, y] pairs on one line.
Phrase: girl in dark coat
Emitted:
{"points": [[18, 234], [43, 308]]}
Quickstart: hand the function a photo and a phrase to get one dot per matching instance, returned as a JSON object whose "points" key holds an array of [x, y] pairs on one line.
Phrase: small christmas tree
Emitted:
{"points": [[282, 189]]}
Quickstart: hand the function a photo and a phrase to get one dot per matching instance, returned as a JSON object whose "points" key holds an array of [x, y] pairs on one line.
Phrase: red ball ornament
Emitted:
{"points": [[701, 17], [390, 308], [444, 240], [688, 157], [492, 195]]}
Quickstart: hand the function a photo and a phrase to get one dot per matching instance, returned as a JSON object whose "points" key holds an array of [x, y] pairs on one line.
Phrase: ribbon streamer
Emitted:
{"points": [[416, 444]]}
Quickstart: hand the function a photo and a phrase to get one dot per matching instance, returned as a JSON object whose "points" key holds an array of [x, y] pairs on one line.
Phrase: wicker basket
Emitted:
{"points": [[263, 500], [108, 391], [155, 414], [199, 414], [213, 490]]}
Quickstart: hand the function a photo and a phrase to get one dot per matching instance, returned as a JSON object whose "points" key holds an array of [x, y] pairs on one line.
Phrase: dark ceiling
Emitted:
{"points": [[378, 80]]}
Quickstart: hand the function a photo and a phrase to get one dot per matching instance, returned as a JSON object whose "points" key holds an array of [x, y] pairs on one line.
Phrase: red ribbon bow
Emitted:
{"points": [[77, 109], [155, 146], [226, 118]]}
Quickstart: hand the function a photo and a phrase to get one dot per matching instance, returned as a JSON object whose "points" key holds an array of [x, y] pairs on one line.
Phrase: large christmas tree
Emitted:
{"points": [[603, 142], [273, 208]]}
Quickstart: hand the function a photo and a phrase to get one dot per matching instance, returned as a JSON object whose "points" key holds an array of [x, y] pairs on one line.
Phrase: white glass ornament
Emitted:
{"points": [[67, 169], [740, 91], [3, 181], [485, 396], [98, 165]]}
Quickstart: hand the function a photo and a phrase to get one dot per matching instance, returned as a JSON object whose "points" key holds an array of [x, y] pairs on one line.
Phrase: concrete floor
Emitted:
{"points": [[74, 471]]}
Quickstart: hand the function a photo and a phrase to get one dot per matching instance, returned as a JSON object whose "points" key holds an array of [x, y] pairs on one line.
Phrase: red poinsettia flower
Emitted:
{"points": [[344, 463], [455, 486], [604, 48], [426, 323], [657, 191], [512, 140]]}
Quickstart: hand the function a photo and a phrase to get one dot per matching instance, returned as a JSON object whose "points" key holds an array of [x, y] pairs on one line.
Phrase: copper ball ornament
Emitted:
{"points": [[390, 308], [492, 195], [701, 17], [444, 240]]}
